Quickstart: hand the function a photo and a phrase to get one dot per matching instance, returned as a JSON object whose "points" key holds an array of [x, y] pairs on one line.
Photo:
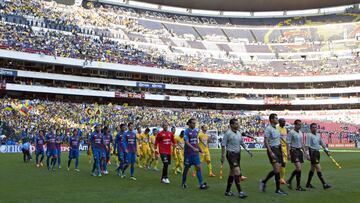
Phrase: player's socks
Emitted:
{"points": [[132, 170], [311, 174], [282, 173], [37, 159], [69, 162], [319, 174], [293, 174], [229, 183], [76, 162], [237, 183], [277, 181], [298, 178], [165, 171], [48, 162], [41, 159], [186, 169], [199, 176], [59, 161], [270, 175]]}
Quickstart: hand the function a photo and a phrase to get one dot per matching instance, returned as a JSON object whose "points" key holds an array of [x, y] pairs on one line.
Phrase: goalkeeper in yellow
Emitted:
{"points": [[139, 154], [204, 146], [179, 153], [154, 161], [283, 133], [145, 148]]}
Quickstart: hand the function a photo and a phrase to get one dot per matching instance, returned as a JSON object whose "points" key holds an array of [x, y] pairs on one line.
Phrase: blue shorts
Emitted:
{"points": [[192, 160], [73, 154], [51, 152], [131, 158], [122, 156], [39, 151], [103, 153]]}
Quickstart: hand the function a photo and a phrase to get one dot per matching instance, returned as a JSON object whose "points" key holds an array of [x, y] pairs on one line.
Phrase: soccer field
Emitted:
{"points": [[22, 182]]}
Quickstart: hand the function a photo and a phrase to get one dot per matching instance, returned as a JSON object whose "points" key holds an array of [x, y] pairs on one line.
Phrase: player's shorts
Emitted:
{"points": [[296, 155], [131, 158], [122, 156], [51, 152], [205, 157], [39, 151], [278, 155], [73, 154], [314, 156], [165, 158], [233, 159], [192, 160]]}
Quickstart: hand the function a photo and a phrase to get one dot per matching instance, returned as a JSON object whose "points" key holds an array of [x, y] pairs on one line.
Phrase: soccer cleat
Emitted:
{"points": [[123, 176], [37, 165], [99, 175], [93, 174], [262, 186], [326, 186], [282, 181], [164, 181], [242, 195], [300, 189], [243, 178], [281, 192], [229, 194], [212, 175], [68, 169], [106, 172], [41, 164], [204, 186], [184, 186], [77, 170], [132, 178], [310, 186], [193, 174], [155, 169], [59, 167], [179, 170]]}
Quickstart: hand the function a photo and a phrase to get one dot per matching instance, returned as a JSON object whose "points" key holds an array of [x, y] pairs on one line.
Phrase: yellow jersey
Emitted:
{"points": [[283, 133], [180, 142], [152, 142], [144, 139], [203, 141]]}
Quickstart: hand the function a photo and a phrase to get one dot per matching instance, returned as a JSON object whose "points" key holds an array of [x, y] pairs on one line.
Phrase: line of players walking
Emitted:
{"points": [[188, 149]]}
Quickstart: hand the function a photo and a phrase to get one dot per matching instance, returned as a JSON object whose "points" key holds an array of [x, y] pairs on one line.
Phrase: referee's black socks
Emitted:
{"points": [[270, 175], [293, 174], [229, 183], [321, 177], [298, 178], [277, 181], [311, 174], [237, 183]]}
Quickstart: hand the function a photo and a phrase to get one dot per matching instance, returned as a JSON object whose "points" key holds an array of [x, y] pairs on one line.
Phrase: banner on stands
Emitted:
{"points": [[129, 95], [150, 85]]}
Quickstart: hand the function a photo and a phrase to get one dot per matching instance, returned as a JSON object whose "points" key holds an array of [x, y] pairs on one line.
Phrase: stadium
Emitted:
{"points": [[76, 69]]}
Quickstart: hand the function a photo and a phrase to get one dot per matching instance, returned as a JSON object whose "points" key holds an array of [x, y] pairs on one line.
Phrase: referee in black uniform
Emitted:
{"points": [[231, 143]]}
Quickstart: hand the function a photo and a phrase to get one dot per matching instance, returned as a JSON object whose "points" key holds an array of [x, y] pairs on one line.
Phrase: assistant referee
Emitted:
{"points": [[231, 143]]}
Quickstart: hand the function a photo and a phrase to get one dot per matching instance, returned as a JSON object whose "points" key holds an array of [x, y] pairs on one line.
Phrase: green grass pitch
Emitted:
{"points": [[22, 182]]}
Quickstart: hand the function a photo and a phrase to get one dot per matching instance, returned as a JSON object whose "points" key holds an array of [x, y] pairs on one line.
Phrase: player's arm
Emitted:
{"points": [[306, 146], [322, 144], [246, 149], [124, 143], [266, 142], [223, 147], [288, 142], [157, 140], [115, 144]]}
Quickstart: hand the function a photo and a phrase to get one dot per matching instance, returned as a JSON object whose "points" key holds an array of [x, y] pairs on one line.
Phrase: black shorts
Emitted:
{"points": [[278, 155], [296, 155], [314, 156], [233, 159], [165, 158]]}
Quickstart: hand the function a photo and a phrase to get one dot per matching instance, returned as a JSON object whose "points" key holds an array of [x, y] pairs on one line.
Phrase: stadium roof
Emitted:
{"points": [[252, 5]]}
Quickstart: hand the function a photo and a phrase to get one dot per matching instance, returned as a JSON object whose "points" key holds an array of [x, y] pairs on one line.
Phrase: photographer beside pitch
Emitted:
{"points": [[231, 142]]}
